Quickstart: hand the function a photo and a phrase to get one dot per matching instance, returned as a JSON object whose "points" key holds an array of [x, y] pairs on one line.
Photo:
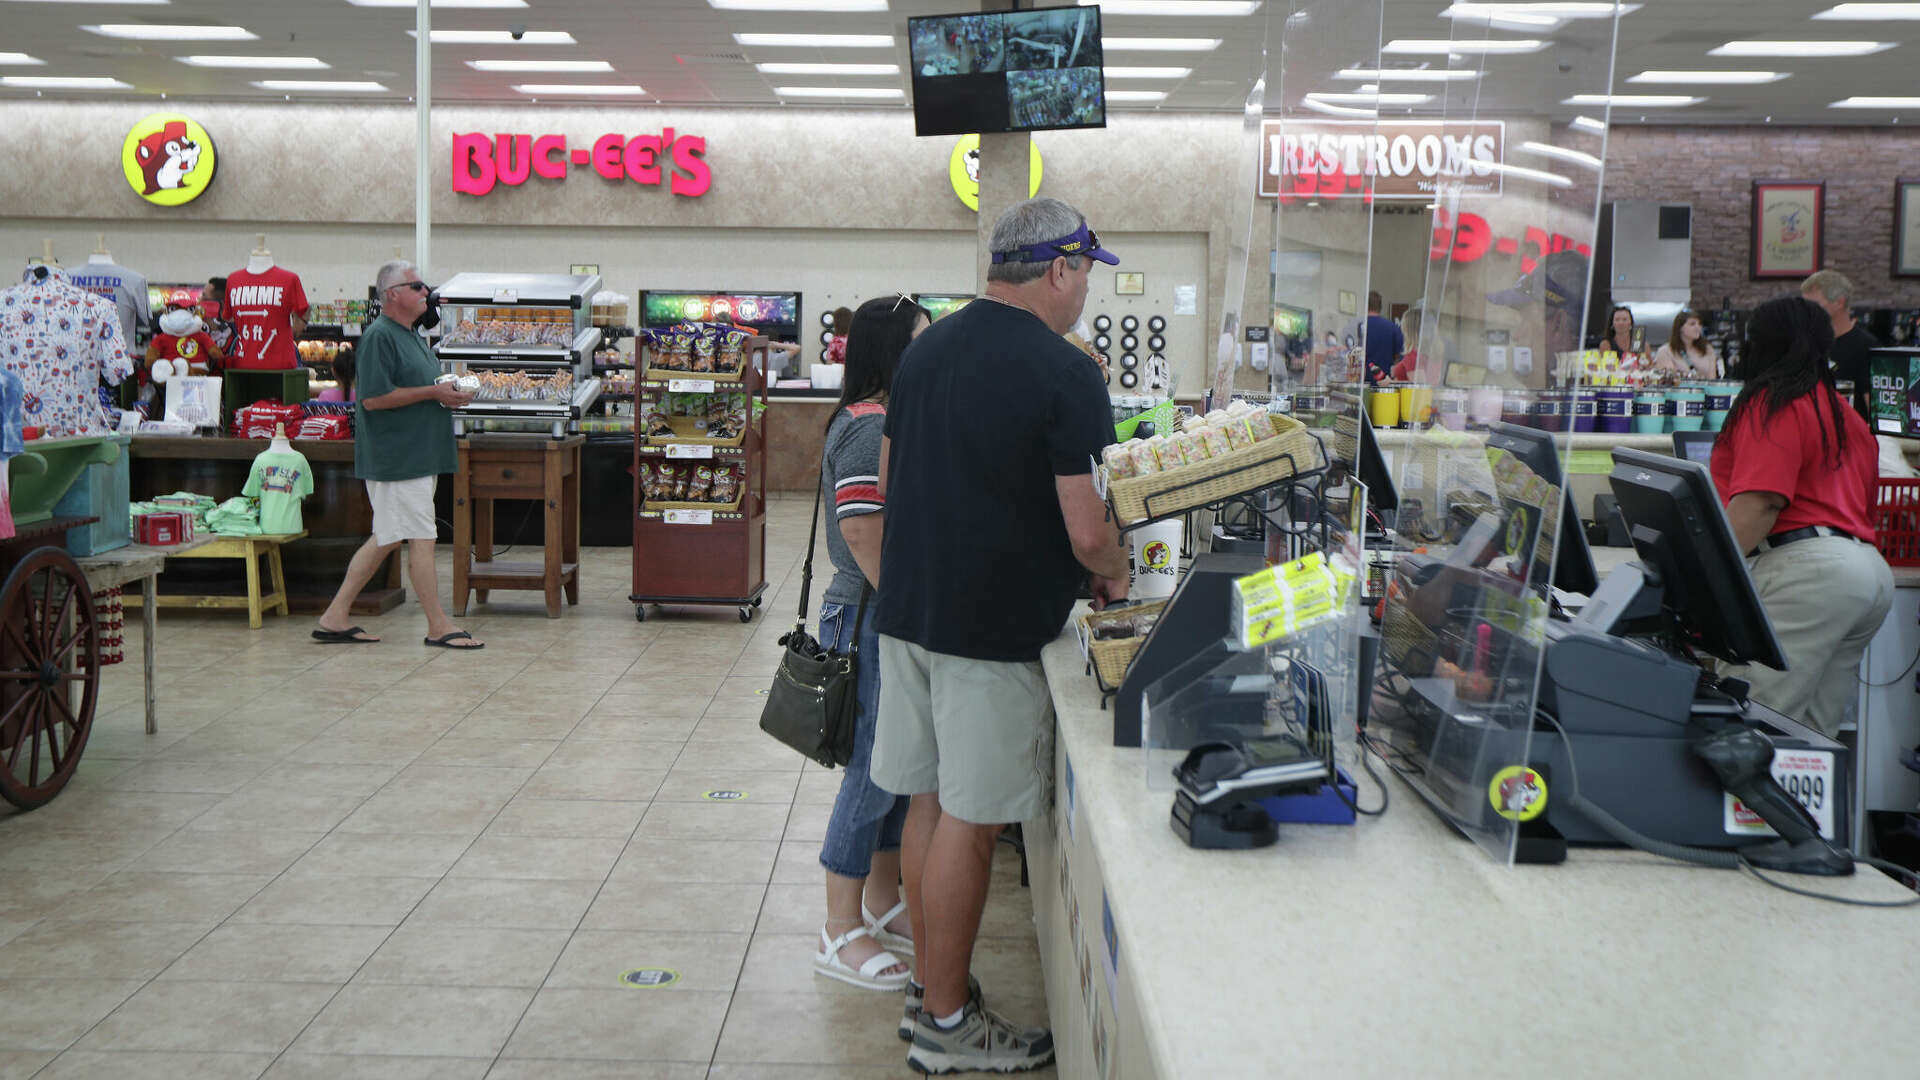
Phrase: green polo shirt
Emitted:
{"points": [[408, 442]]}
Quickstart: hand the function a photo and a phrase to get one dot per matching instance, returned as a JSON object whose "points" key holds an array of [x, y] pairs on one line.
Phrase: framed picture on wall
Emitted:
{"points": [[1349, 303], [1130, 283], [1906, 228], [1789, 231]]}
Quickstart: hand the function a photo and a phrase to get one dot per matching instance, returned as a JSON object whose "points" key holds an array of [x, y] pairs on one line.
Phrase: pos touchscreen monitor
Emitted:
{"points": [[1573, 569], [1681, 532]]}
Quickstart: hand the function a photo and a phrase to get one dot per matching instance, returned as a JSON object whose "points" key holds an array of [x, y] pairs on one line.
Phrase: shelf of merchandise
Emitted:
{"points": [[706, 557], [533, 293]]}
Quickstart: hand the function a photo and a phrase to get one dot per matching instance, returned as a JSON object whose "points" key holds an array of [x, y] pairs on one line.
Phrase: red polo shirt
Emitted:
{"points": [[1784, 454]]}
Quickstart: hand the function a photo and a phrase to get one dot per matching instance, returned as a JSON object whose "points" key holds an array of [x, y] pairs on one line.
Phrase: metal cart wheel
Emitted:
{"points": [[746, 614], [639, 613], [756, 601], [49, 646]]}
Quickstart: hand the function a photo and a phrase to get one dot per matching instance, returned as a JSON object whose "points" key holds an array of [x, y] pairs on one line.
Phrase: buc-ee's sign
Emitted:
{"points": [[1404, 159], [480, 161]]}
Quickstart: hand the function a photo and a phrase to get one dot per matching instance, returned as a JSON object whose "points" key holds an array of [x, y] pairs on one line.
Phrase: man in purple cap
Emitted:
{"points": [[1557, 288], [993, 425]]}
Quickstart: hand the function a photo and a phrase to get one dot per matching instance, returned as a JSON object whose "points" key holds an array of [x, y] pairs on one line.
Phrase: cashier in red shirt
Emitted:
{"points": [[1798, 471]]}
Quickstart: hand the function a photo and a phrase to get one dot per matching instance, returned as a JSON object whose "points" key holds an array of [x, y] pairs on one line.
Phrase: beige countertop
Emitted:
{"points": [[1393, 948]]}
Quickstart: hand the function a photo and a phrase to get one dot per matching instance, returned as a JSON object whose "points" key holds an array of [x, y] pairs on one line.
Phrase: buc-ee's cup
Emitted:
{"points": [[1649, 412], [1689, 408]]}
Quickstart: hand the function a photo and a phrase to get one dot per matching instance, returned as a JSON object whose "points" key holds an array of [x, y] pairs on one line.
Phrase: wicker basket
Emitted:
{"points": [[655, 505], [1111, 658], [660, 374], [1251, 468]]}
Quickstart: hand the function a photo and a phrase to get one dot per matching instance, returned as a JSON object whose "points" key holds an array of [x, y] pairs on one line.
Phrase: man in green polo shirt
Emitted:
{"points": [[403, 441]]}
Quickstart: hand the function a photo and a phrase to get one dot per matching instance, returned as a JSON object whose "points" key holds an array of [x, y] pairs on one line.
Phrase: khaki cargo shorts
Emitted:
{"points": [[978, 732]]}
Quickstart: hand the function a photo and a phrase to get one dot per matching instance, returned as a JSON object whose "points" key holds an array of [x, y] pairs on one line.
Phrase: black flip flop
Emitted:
{"points": [[343, 637], [457, 635]]}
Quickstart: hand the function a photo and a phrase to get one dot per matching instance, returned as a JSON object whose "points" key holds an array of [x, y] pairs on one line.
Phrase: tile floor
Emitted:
{"points": [[396, 862]]}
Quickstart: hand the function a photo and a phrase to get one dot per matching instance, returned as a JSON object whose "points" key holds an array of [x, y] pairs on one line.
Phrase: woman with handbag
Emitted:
{"points": [[861, 854]]}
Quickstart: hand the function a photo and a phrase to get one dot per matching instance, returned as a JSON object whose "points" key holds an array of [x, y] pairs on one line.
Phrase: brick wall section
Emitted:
{"points": [[1714, 168]]}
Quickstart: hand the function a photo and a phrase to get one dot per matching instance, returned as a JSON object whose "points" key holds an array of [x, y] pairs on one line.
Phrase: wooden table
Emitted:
{"points": [[137, 562], [506, 466], [249, 549]]}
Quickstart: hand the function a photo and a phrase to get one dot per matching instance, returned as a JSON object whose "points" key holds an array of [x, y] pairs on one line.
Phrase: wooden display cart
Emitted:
{"points": [[687, 553]]}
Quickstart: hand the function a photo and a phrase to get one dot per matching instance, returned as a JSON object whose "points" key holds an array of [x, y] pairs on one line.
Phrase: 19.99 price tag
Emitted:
{"points": [[689, 450], [690, 386], [1808, 776], [688, 517]]}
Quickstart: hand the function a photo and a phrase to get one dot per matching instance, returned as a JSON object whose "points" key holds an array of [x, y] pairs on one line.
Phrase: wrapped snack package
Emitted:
{"points": [[1235, 429], [657, 425], [682, 481], [1260, 424], [1167, 452], [647, 480], [1145, 463], [1119, 461], [1214, 438], [701, 485], [1192, 447], [726, 485]]}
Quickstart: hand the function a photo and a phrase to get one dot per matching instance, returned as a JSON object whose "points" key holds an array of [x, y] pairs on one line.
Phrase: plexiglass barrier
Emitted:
{"points": [[1495, 129]]}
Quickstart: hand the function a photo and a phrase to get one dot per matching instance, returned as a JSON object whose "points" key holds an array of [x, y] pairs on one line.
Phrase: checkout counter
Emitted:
{"points": [[1391, 947]]}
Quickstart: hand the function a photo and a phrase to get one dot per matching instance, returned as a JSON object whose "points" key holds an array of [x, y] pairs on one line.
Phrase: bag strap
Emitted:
{"points": [[813, 532], [859, 620]]}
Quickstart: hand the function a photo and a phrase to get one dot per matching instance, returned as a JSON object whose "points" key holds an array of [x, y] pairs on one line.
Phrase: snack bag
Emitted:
{"points": [[1214, 438], [1119, 461], [1145, 463], [701, 485], [646, 480], [1192, 447], [657, 425], [1167, 452], [726, 486], [682, 481], [1260, 424]]}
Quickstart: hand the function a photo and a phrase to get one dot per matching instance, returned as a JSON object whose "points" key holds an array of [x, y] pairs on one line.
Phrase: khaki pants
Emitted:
{"points": [[1827, 598]]}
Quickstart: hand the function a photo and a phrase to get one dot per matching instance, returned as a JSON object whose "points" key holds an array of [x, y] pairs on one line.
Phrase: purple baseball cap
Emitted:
{"points": [[1558, 281], [1082, 241]]}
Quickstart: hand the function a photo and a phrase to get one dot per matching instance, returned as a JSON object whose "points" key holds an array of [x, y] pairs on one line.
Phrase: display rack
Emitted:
{"points": [[1259, 498], [557, 306], [713, 554]]}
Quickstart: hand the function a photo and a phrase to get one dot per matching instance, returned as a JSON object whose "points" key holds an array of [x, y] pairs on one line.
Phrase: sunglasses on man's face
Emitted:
{"points": [[416, 286]]}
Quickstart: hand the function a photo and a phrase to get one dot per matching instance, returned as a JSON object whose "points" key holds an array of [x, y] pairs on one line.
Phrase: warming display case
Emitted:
{"points": [[527, 339]]}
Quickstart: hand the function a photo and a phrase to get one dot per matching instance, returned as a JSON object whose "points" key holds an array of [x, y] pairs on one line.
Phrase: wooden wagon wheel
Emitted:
{"points": [[49, 648]]}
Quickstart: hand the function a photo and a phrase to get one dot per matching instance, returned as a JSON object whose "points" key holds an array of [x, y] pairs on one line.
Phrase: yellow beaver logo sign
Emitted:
{"points": [[963, 168], [168, 159], [1518, 793]]}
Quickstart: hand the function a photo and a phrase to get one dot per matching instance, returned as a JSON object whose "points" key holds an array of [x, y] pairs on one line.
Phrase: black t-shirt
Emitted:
{"points": [[1852, 363], [987, 408]]}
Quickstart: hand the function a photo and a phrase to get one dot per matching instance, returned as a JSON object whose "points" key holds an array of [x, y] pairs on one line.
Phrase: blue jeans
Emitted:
{"points": [[865, 818]]}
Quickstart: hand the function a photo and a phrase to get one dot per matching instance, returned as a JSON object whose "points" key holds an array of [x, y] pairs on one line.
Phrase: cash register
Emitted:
{"points": [[1632, 740]]}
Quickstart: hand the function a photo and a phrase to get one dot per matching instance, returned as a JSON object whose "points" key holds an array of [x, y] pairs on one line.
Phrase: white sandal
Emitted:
{"points": [[827, 962], [900, 943]]}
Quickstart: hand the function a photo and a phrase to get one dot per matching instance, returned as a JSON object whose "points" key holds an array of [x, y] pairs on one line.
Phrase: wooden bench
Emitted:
{"points": [[249, 549]]}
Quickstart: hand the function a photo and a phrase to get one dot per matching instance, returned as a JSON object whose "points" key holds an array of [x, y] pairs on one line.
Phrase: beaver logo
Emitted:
{"points": [[963, 170], [1157, 555], [168, 159], [1518, 793]]}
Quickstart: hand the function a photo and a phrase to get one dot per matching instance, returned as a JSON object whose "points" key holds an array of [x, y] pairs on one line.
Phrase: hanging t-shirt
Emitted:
{"points": [[127, 289], [61, 341], [261, 307], [280, 479]]}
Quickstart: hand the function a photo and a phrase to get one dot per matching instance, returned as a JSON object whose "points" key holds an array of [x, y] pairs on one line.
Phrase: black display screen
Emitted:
{"points": [[1007, 71]]}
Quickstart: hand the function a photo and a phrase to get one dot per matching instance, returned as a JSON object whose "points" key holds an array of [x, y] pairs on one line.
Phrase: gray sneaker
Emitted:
{"points": [[984, 1041], [915, 995]]}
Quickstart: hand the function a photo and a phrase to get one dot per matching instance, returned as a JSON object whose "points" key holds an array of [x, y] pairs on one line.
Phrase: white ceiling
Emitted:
{"points": [[682, 52]]}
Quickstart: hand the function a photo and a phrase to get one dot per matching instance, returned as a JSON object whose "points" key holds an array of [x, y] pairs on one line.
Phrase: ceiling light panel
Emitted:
{"points": [[1801, 48], [1877, 103], [1159, 44], [19, 58], [540, 65], [816, 41], [1640, 101], [171, 32], [1406, 75], [875, 92], [1870, 12], [1562, 153], [1445, 46], [286, 63], [1709, 78], [1587, 124], [1137, 95], [1147, 72], [1373, 98], [1595, 9], [581, 90], [441, 3], [64, 82], [828, 69], [324, 86]]}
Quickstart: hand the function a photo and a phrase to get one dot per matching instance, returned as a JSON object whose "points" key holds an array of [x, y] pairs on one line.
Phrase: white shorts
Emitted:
{"points": [[403, 509]]}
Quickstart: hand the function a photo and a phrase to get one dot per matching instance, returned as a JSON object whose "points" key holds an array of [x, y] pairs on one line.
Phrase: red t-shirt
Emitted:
{"points": [[194, 348], [1784, 455], [261, 308]]}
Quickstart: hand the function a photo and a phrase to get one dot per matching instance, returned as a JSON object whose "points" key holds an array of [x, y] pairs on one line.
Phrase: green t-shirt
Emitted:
{"points": [[404, 443], [280, 479]]}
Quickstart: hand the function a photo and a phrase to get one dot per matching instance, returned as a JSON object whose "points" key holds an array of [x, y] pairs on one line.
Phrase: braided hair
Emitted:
{"points": [[1784, 360]]}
